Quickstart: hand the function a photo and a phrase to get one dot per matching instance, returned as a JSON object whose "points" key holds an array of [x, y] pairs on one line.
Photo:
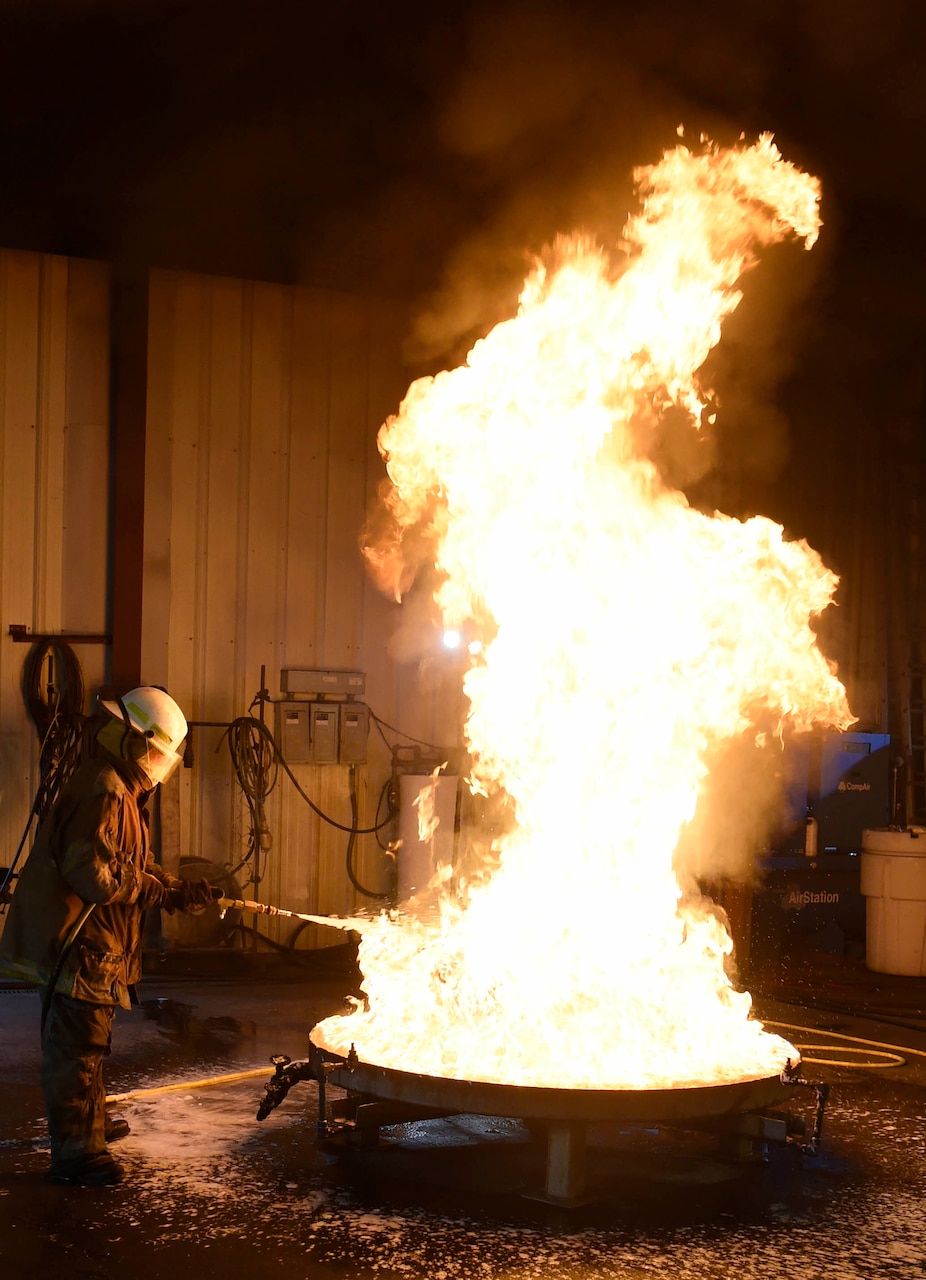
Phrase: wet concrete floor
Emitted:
{"points": [[210, 1192]]}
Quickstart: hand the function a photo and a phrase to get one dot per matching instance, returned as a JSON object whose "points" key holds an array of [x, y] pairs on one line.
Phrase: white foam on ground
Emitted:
{"points": [[192, 1157]]}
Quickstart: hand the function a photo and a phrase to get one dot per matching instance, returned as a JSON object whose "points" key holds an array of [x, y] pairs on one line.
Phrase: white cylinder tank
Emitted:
{"points": [[420, 855], [893, 881]]}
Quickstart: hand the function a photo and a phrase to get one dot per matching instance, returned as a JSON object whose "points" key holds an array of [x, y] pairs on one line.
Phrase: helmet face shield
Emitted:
{"points": [[157, 764], [151, 730]]}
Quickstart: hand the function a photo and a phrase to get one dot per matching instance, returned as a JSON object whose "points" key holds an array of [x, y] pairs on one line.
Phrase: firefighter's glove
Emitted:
{"points": [[191, 895], [154, 893]]}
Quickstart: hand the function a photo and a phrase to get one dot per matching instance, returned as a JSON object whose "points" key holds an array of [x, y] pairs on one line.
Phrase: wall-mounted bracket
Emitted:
{"points": [[21, 634]]}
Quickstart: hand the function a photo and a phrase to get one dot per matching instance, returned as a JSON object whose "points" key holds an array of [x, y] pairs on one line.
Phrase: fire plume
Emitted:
{"points": [[625, 637]]}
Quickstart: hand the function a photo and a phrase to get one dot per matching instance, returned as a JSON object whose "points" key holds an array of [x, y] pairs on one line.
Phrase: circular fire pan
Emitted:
{"points": [[531, 1102]]}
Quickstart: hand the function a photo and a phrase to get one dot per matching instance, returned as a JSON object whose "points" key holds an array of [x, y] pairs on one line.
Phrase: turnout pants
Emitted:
{"points": [[76, 1038]]}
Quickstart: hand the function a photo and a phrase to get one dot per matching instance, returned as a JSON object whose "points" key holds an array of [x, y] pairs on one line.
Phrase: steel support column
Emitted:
{"points": [[129, 394]]}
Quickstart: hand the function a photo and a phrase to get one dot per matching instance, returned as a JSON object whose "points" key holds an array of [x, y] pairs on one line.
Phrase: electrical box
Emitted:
{"points": [[355, 727], [350, 684], [291, 730], [323, 732]]}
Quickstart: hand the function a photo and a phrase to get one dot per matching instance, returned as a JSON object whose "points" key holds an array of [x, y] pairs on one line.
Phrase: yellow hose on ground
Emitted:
{"points": [[892, 1051], [179, 1085]]}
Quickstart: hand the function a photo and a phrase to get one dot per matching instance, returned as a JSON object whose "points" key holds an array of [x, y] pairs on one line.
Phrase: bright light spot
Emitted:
{"points": [[474, 647], [452, 639]]}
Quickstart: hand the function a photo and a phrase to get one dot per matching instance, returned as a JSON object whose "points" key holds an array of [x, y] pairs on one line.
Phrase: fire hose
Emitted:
{"points": [[62, 956], [184, 1086], [350, 924]]}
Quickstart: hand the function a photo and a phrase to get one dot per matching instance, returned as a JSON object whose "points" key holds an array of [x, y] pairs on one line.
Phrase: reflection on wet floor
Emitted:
{"points": [[212, 1192], [178, 1022], [445, 1198]]}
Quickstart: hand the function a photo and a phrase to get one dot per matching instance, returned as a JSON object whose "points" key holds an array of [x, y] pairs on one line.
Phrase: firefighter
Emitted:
{"points": [[74, 926]]}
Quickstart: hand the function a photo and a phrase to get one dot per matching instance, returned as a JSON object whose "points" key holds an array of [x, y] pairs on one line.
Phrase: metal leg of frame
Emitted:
{"points": [[566, 1161]]}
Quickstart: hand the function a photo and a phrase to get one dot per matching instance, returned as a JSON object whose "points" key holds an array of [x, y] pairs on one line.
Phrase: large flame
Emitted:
{"points": [[625, 637]]}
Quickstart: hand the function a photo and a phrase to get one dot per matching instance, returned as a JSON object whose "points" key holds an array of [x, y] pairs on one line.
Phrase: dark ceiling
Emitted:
{"points": [[368, 144], [424, 154]]}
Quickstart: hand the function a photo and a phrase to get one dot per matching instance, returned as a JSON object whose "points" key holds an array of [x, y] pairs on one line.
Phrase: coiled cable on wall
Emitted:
{"points": [[53, 687], [351, 843], [259, 728], [53, 690], [256, 759]]}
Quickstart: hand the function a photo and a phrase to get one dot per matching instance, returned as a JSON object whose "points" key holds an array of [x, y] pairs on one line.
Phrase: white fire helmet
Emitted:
{"points": [[154, 715]]}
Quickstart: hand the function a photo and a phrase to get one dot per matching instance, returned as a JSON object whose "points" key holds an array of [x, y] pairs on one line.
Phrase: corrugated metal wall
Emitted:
{"points": [[263, 407], [264, 403], [54, 465]]}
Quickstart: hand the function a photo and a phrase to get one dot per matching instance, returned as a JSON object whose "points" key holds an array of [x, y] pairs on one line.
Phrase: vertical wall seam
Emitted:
{"points": [[363, 461], [203, 451], [243, 494], [40, 464], [324, 516], [4, 290], [285, 476]]}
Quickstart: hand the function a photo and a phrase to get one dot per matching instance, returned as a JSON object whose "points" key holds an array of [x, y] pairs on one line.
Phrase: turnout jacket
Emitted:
{"points": [[92, 848]]}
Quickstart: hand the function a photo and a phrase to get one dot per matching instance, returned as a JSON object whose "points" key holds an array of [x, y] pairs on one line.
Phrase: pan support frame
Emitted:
{"points": [[744, 1137]]}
